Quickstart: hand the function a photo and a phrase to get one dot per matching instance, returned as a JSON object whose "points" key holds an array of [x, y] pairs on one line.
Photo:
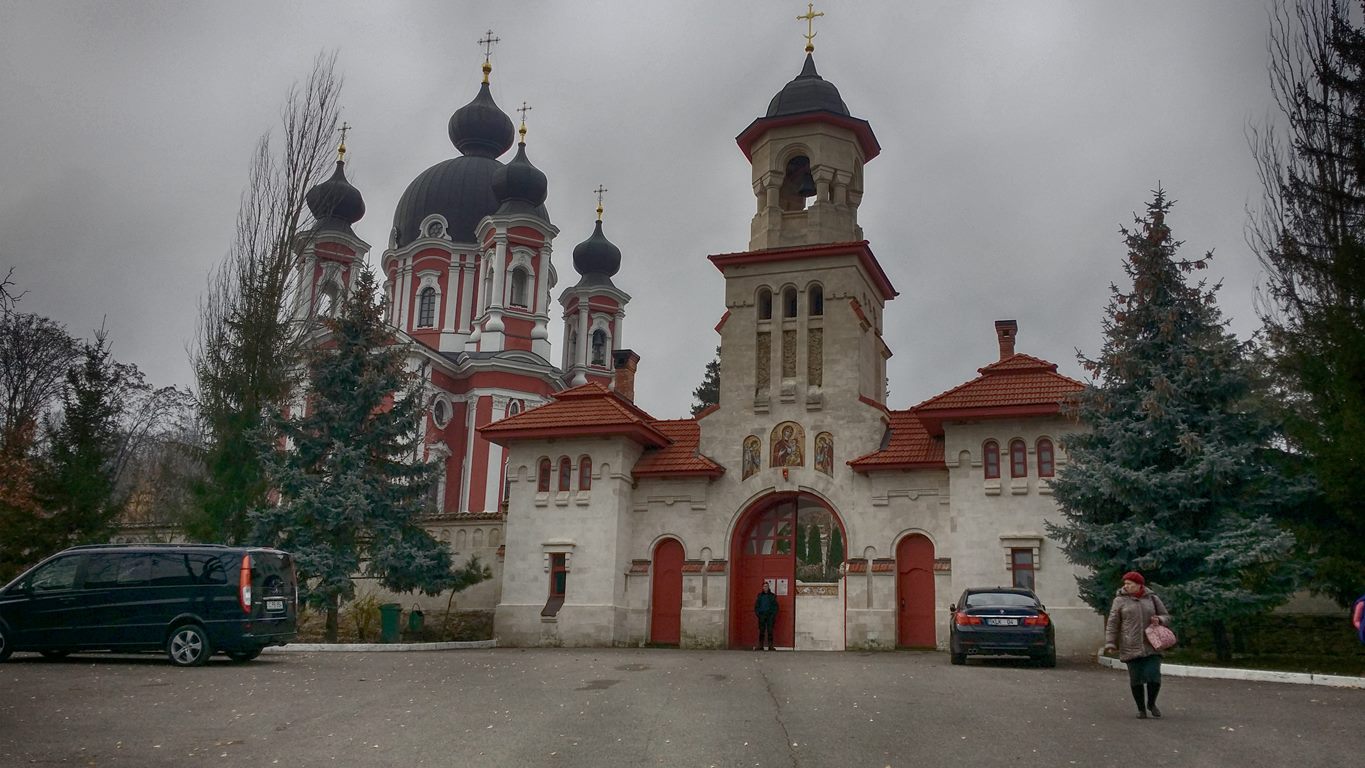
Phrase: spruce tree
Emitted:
{"points": [[836, 551], [350, 494], [708, 392], [1173, 474]]}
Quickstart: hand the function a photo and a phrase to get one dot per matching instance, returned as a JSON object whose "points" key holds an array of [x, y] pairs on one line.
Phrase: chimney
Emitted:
{"points": [[623, 381], [1005, 331]]}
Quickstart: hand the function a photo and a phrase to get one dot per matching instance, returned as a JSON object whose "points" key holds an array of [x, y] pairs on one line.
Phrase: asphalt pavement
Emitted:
{"points": [[634, 707]]}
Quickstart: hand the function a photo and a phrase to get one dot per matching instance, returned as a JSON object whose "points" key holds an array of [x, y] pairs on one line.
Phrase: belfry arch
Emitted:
{"points": [[797, 542]]}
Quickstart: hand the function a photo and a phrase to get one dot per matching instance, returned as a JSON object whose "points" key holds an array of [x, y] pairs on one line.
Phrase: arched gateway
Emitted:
{"points": [[796, 543]]}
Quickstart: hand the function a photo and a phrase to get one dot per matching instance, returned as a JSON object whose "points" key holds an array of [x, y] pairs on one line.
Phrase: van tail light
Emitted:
{"points": [[963, 619], [244, 584], [1041, 620]]}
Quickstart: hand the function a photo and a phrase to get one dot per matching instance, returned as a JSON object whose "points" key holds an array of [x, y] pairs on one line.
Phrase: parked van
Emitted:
{"points": [[190, 600]]}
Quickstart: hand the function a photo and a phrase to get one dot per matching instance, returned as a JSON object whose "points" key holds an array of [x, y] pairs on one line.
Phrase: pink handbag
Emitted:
{"points": [[1160, 637]]}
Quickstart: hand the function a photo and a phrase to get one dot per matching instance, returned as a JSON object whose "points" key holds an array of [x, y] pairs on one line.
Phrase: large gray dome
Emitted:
{"points": [[807, 93]]}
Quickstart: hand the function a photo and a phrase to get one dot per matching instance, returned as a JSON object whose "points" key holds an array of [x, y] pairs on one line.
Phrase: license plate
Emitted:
{"points": [[1002, 622], [274, 604]]}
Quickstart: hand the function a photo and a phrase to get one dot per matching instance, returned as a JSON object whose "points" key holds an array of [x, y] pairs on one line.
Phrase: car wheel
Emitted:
{"points": [[189, 646], [54, 655], [244, 655], [5, 649], [958, 659], [1049, 658]]}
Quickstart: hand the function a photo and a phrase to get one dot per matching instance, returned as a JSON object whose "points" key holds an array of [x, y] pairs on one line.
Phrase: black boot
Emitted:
{"points": [[1137, 697], [1152, 690]]}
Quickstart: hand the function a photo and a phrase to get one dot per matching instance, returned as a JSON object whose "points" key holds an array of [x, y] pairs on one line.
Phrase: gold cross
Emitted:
{"points": [[523, 109], [341, 150], [809, 17], [601, 190], [488, 42]]}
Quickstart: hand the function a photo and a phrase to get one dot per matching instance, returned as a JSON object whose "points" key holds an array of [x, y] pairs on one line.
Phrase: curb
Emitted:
{"points": [[1251, 675], [382, 647]]}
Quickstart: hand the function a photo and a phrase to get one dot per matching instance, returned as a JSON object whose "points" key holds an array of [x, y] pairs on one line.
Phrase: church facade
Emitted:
{"points": [[607, 526]]}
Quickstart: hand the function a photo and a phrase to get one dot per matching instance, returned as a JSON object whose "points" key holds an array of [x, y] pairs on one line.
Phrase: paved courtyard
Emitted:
{"points": [[599, 707]]}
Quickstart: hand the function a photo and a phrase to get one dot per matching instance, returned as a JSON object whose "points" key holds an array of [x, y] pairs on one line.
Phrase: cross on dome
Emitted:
{"points": [[809, 17], [488, 42], [523, 109], [341, 148], [601, 190]]}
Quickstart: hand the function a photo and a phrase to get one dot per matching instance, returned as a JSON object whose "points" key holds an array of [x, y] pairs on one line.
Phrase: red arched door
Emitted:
{"points": [[665, 621], [915, 592]]}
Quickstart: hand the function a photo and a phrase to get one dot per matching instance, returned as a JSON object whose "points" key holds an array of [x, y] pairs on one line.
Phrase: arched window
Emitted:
{"points": [[990, 459], [1018, 459], [815, 302], [789, 302], [599, 347], [565, 473], [585, 474], [513, 408], [1045, 463], [519, 288], [765, 304], [426, 307], [543, 476]]}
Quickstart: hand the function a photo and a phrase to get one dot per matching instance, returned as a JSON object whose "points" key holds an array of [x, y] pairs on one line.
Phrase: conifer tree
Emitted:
{"points": [[1173, 474], [350, 494], [836, 551], [708, 392]]}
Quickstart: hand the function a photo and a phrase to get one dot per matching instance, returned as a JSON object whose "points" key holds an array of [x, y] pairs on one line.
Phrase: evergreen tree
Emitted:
{"points": [[801, 543], [836, 550], [78, 483], [1310, 237], [350, 495], [707, 393], [1174, 475]]}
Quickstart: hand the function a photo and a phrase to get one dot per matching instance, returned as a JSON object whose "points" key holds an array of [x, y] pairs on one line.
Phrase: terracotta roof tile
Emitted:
{"points": [[590, 409], [910, 445], [1018, 380], [680, 456]]}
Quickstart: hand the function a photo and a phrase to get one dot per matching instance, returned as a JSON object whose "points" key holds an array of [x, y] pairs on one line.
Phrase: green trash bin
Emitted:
{"points": [[416, 620], [389, 613]]}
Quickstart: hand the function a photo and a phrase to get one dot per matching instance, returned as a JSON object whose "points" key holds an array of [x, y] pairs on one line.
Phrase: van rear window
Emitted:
{"points": [[186, 569]]}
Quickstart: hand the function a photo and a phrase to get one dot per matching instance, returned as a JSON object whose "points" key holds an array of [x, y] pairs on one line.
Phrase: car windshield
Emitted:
{"points": [[1000, 600]]}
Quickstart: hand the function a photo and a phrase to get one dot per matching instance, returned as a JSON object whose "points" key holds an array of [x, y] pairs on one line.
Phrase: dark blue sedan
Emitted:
{"points": [[1001, 621]]}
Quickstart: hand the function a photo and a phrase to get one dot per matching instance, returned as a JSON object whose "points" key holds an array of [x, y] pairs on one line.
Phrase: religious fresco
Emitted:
{"points": [[789, 441], [751, 456], [819, 545], [824, 453]]}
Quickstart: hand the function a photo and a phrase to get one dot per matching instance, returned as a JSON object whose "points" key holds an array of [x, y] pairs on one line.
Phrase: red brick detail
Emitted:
{"points": [[856, 566], [943, 565], [692, 566], [884, 565], [639, 567], [859, 250], [723, 318], [857, 308], [715, 566]]}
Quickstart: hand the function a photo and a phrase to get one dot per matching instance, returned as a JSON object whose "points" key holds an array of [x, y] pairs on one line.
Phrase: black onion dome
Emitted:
{"points": [[460, 189], [807, 93], [480, 128], [519, 186], [335, 202], [597, 258]]}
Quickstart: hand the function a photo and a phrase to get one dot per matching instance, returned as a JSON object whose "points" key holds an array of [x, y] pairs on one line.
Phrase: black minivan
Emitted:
{"points": [[189, 600]]}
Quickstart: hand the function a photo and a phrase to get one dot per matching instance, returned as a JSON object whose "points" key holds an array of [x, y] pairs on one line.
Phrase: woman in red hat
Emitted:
{"points": [[1134, 608]]}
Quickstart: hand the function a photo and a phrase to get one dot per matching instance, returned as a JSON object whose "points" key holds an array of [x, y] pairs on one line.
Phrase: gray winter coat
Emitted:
{"points": [[1128, 620]]}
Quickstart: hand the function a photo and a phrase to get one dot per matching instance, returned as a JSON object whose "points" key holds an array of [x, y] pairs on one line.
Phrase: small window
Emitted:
{"points": [[543, 476], [56, 576], [559, 574], [789, 302], [439, 413], [514, 408], [1045, 463], [519, 288], [765, 304], [816, 301], [1018, 459], [585, 474], [1022, 567], [990, 459], [599, 347], [565, 473], [426, 308]]}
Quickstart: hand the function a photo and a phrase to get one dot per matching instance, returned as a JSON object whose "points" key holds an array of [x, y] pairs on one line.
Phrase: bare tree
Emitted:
{"points": [[246, 351], [35, 353], [8, 298]]}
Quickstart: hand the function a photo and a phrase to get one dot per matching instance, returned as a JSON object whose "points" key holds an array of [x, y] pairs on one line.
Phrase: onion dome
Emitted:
{"points": [[461, 188], [520, 186], [335, 203], [807, 93], [596, 258]]}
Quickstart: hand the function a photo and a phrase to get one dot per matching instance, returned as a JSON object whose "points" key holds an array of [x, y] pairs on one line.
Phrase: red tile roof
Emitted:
{"points": [[680, 457], [910, 446], [587, 410]]}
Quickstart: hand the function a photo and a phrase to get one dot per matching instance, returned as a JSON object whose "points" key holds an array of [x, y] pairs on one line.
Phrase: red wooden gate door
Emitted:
{"points": [[915, 592], [764, 550], [665, 621]]}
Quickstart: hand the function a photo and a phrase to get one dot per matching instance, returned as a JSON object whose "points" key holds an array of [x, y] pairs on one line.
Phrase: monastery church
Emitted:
{"points": [[607, 526]]}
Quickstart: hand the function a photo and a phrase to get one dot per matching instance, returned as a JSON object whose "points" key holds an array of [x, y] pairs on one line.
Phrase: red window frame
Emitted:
{"points": [[543, 476], [565, 473], [1046, 462], [990, 459], [585, 474], [559, 574], [1022, 567], [1018, 459]]}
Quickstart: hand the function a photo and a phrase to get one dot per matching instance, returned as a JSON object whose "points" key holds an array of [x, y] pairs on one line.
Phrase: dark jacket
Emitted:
{"points": [[766, 604], [1127, 625]]}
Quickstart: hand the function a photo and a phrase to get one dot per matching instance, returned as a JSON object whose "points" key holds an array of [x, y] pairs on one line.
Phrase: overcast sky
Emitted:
{"points": [[1016, 138]]}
